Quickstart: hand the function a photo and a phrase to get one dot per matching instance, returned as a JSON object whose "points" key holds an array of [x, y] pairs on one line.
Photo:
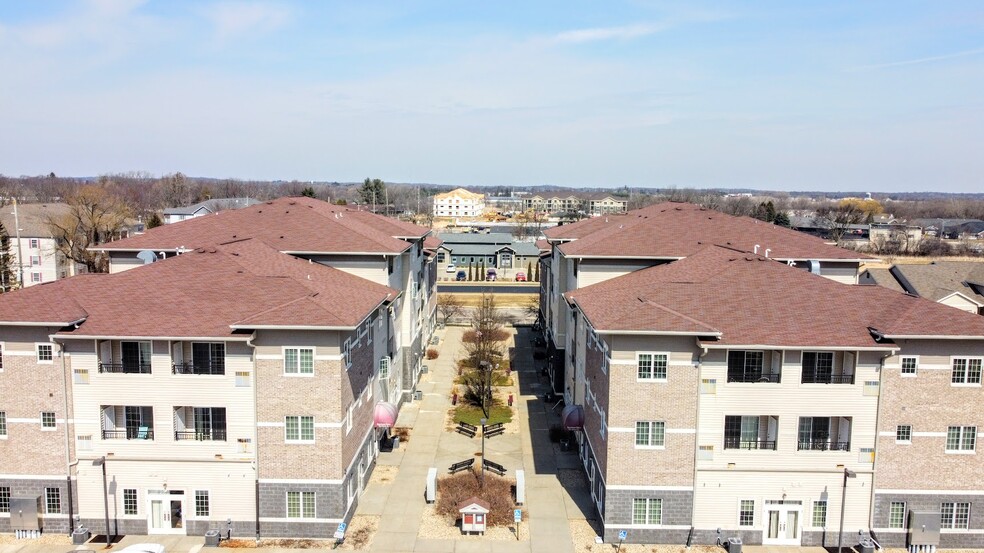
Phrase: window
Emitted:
{"points": [[961, 438], [48, 420], [135, 357], [903, 434], [4, 499], [909, 366], [298, 361], [45, 353], [747, 366], [750, 432], [955, 515], [84, 442], [1, 358], [896, 514], [966, 371], [208, 357], [746, 512], [652, 366], [708, 386], [52, 501], [35, 243], [820, 514], [242, 379], [647, 511], [300, 504], [129, 501], [35, 261], [384, 368], [440, 257], [347, 353], [299, 429], [201, 503], [3, 424], [818, 367], [650, 434], [36, 276], [200, 423]]}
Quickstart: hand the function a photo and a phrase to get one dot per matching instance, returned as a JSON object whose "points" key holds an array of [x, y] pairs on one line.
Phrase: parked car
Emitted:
{"points": [[490, 275], [461, 276], [520, 276], [451, 268]]}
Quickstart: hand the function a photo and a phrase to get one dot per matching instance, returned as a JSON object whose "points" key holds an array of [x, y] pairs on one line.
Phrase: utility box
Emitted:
{"points": [[80, 536], [430, 493], [520, 487], [734, 545], [924, 528], [25, 513], [866, 546], [212, 538]]}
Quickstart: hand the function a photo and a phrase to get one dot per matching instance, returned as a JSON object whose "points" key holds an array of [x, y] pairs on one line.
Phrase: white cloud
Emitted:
{"points": [[625, 32], [233, 19]]}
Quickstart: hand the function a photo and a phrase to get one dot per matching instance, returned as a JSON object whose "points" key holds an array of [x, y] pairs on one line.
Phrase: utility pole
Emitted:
{"points": [[20, 252]]}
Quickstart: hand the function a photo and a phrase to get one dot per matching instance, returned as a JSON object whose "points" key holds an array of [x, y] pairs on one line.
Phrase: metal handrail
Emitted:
{"points": [[198, 368], [215, 434], [126, 368], [128, 434], [824, 445], [824, 378], [774, 378], [737, 443]]}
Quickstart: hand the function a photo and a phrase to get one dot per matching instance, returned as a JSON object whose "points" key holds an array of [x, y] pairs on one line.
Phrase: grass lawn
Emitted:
{"points": [[473, 415]]}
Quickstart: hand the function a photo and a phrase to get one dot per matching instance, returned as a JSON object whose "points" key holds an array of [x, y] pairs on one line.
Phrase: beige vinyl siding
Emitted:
{"points": [[960, 303], [595, 271], [371, 268], [123, 261], [843, 272]]}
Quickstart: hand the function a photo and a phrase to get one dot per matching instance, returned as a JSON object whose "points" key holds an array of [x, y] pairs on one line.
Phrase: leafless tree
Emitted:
{"points": [[94, 216], [450, 306]]}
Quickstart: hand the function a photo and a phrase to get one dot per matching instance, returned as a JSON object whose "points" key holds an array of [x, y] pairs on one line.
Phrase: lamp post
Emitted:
{"points": [[484, 420], [840, 533], [101, 462]]}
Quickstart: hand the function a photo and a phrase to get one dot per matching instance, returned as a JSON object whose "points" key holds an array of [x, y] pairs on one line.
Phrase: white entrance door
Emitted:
{"points": [[165, 512], [782, 524]]}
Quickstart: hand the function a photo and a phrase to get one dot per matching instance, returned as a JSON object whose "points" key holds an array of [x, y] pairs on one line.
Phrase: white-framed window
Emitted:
{"points": [[647, 511], [48, 420], [201, 503], [3, 424], [348, 419], [652, 366], [35, 261], [45, 352], [301, 504], [896, 514], [369, 330], [384, 368], [955, 515], [746, 512], [298, 361], [36, 277], [961, 439], [910, 364], [820, 513], [35, 243], [299, 429], [347, 353], [52, 501], [129, 501], [966, 370], [650, 434], [903, 434]]}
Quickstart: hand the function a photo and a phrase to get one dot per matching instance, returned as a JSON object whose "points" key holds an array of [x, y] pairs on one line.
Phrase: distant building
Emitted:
{"points": [[42, 262], [589, 204], [459, 203], [497, 250], [958, 284], [175, 214]]}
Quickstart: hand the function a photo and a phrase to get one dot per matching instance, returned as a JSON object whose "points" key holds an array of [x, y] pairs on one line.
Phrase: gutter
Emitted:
{"points": [[700, 365], [145, 338], [799, 347], [874, 464], [256, 436], [68, 436], [44, 323]]}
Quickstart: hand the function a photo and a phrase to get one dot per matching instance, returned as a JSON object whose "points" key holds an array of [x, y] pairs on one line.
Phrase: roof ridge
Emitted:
{"points": [[678, 314]]}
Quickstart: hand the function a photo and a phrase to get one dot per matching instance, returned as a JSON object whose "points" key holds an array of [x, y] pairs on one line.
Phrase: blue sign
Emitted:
{"points": [[518, 515], [622, 534], [340, 531]]}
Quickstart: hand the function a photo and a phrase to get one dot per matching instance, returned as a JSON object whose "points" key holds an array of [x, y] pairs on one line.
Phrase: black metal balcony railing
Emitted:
{"points": [[824, 445], [128, 368], [198, 368], [737, 443], [129, 434], [825, 378], [216, 434], [754, 377]]}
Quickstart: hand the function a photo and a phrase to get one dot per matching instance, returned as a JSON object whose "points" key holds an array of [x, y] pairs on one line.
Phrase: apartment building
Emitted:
{"points": [[459, 203], [590, 204], [377, 248], [178, 214], [598, 249], [731, 395], [34, 256], [230, 383]]}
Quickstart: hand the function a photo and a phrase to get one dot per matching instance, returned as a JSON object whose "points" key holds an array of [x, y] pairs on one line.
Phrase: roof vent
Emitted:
{"points": [[756, 249]]}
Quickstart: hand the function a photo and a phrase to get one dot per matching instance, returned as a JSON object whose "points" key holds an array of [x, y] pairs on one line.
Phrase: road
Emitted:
{"points": [[494, 288]]}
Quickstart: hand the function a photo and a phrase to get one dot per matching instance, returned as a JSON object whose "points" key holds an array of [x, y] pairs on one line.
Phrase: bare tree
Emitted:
{"points": [[94, 216], [450, 306]]}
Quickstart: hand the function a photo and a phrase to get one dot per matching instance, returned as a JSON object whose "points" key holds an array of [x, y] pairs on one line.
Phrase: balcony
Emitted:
{"points": [[732, 443], [754, 377], [213, 435], [824, 445], [198, 368], [142, 433], [827, 378], [126, 368]]}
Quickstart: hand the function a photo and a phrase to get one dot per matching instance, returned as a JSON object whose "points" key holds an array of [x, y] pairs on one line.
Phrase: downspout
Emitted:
{"points": [[68, 440], [693, 501], [874, 465], [256, 436]]}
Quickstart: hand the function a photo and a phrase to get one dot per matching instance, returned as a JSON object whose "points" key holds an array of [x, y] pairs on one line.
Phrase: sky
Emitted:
{"points": [[873, 96]]}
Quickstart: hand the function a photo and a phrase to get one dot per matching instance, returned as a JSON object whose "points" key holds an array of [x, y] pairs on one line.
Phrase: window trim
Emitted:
{"points": [[965, 383], [37, 353], [300, 432], [208, 503], [653, 354], [136, 502], [300, 504], [297, 374], [813, 513], [649, 435], [54, 418], [953, 521], [898, 431], [960, 440], [4, 426], [648, 511], [47, 500], [915, 370], [902, 521], [751, 523]]}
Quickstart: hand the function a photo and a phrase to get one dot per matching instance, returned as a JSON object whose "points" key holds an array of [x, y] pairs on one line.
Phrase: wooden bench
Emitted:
{"points": [[494, 467], [461, 465], [466, 429], [493, 430]]}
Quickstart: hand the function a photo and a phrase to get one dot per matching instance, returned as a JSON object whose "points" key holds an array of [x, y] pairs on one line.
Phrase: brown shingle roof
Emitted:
{"points": [[676, 230], [940, 279], [751, 300], [201, 294], [287, 224], [33, 218]]}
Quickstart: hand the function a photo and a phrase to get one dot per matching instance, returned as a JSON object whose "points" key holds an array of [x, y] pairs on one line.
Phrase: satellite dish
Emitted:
{"points": [[147, 256]]}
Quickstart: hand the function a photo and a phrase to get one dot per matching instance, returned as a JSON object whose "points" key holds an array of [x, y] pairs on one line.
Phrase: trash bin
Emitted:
{"points": [[80, 536], [212, 538], [418, 395], [396, 443], [734, 545], [866, 546], [423, 369]]}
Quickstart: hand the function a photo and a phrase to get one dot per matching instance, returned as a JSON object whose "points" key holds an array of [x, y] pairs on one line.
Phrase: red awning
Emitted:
{"points": [[384, 415], [572, 417]]}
